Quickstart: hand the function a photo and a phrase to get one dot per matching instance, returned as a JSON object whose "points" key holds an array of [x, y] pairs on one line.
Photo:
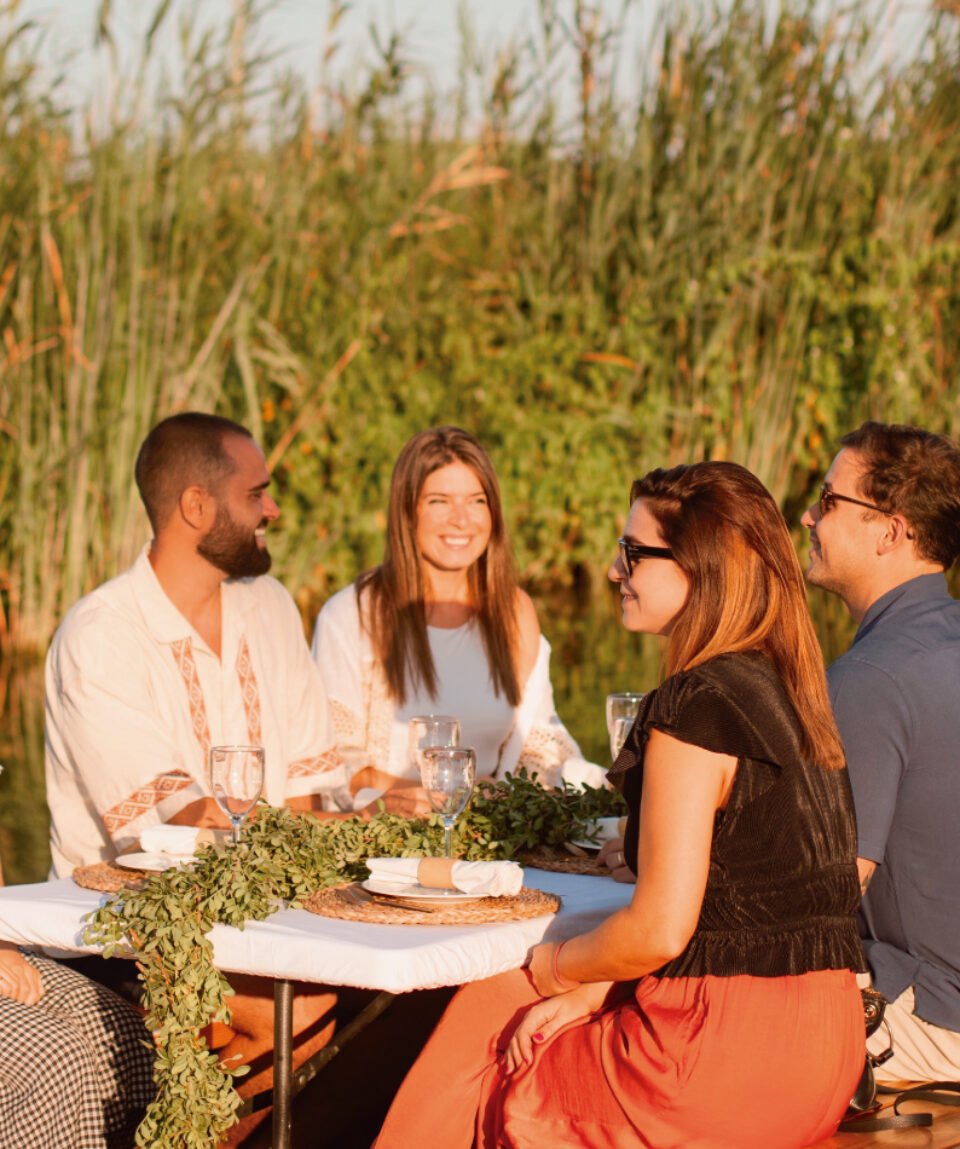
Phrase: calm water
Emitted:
{"points": [[592, 656]]}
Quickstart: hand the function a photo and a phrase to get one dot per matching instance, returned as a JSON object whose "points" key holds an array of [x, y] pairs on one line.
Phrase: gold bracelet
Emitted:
{"points": [[563, 982]]}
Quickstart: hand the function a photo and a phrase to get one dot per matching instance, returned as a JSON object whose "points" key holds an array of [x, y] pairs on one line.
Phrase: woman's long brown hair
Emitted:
{"points": [[746, 587], [395, 592]]}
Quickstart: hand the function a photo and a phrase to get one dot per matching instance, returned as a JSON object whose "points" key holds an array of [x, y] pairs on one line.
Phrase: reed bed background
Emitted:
{"points": [[753, 250], [756, 252]]}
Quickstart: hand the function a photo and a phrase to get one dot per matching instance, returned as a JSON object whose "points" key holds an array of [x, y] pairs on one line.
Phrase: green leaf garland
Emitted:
{"points": [[282, 858]]}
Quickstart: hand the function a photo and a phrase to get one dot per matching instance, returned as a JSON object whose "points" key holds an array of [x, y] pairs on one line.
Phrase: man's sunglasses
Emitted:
{"points": [[828, 499], [632, 553]]}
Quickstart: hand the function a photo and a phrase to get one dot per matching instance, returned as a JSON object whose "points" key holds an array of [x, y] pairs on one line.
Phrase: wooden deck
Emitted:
{"points": [[944, 1133]]}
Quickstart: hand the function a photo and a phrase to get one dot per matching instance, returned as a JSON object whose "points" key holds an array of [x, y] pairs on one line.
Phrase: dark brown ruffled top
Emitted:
{"points": [[782, 890]]}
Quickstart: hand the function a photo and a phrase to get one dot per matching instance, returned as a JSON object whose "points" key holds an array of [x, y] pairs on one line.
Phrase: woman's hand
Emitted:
{"points": [[543, 1020], [18, 979], [611, 855]]}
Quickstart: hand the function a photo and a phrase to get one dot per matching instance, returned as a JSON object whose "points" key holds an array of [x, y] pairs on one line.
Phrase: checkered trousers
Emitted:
{"points": [[76, 1070]]}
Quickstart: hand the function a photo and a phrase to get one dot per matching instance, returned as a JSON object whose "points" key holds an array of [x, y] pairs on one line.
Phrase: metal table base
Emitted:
{"points": [[286, 1083]]}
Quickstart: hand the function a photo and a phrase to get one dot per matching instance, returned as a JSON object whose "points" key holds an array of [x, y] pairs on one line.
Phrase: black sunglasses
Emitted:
{"points": [[829, 498], [632, 553]]}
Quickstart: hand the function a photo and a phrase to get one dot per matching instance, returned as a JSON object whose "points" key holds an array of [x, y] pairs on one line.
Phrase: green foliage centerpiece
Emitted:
{"points": [[282, 858]]}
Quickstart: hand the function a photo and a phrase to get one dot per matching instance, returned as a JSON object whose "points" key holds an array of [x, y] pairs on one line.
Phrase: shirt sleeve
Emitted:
{"points": [[107, 740], [338, 653], [313, 765], [539, 741], [874, 723], [548, 743]]}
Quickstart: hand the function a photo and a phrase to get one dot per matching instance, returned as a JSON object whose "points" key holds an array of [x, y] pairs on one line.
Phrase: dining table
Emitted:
{"points": [[297, 945]]}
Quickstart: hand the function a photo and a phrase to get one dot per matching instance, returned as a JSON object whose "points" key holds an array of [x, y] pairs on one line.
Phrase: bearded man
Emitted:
{"points": [[192, 647]]}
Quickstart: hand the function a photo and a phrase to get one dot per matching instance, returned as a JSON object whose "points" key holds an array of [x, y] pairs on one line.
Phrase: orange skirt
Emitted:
{"points": [[683, 1063]]}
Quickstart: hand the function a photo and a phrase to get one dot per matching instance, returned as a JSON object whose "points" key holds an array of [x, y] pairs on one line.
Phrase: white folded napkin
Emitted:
{"points": [[579, 772], [174, 841], [496, 879], [364, 796]]}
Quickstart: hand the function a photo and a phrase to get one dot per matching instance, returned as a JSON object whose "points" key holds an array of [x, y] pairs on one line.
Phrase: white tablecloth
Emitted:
{"points": [[297, 944]]}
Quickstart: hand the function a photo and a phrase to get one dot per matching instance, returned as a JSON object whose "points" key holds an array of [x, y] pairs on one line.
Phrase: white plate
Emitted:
{"points": [[413, 890], [156, 862], [593, 847]]}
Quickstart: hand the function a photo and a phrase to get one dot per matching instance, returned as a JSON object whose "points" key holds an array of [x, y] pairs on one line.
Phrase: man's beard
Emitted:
{"points": [[234, 549]]}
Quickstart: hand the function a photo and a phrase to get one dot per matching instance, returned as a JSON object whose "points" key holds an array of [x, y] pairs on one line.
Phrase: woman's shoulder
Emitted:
{"points": [[730, 673], [526, 614], [736, 698], [346, 607], [723, 674], [528, 634]]}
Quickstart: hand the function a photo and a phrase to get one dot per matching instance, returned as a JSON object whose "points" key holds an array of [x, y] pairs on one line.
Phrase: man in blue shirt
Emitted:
{"points": [[885, 530]]}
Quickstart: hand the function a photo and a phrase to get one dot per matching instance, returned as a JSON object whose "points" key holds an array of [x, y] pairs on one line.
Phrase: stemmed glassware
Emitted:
{"points": [[236, 779], [621, 712], [448, 774], [428, 730]]}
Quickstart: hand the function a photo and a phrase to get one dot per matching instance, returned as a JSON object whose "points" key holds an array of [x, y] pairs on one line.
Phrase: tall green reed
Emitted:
{"points": [[744, 254]]}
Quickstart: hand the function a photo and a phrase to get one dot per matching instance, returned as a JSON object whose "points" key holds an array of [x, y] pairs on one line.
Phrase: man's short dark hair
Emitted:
{"points": [[183, 451], [917, 474]]}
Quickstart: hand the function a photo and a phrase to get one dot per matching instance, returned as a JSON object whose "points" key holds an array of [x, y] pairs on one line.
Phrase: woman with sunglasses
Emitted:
{"points": [[719, 1009], [439, 627]]}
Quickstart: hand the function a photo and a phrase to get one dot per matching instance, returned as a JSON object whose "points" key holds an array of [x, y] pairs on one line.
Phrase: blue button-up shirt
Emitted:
{"points": [[896, 696]]}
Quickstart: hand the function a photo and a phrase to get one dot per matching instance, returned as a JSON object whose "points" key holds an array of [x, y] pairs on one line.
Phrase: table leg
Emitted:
{"points": [[282, 1063]]}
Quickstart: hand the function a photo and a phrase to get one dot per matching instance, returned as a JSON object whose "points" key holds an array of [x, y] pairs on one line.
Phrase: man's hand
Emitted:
{"points": [[400, 795], [201, 812], [865, 871], [406, 798], [18, 979], [611, 856]]}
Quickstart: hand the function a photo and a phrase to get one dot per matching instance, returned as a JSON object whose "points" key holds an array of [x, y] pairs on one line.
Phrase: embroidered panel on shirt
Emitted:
{"points": [[144, 799], [250, 690], [318, 764], [545, 750], [346, 724], [380, 709], [183, 655]]}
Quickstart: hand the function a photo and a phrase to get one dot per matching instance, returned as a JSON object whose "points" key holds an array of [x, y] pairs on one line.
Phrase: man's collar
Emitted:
{"points": [[163, 620], [923, 588]]}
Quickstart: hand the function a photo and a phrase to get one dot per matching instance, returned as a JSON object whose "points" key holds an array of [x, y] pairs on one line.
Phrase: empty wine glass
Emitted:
{"points": [[236, 779], [621, 712], [428, 730], [447, 774]]}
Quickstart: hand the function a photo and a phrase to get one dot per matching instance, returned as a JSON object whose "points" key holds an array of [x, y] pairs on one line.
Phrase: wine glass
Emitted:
{"points": [[621, 712], [428, 730], [236, 778], [447, 774]]}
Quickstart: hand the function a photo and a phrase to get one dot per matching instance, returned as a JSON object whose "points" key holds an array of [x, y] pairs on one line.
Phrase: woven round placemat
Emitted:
{"points": [[354, 903], [544, 859], [107, 878]]}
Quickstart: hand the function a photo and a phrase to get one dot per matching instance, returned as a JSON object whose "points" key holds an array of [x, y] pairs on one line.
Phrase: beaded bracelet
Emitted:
{"points": [[559, 979]]}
